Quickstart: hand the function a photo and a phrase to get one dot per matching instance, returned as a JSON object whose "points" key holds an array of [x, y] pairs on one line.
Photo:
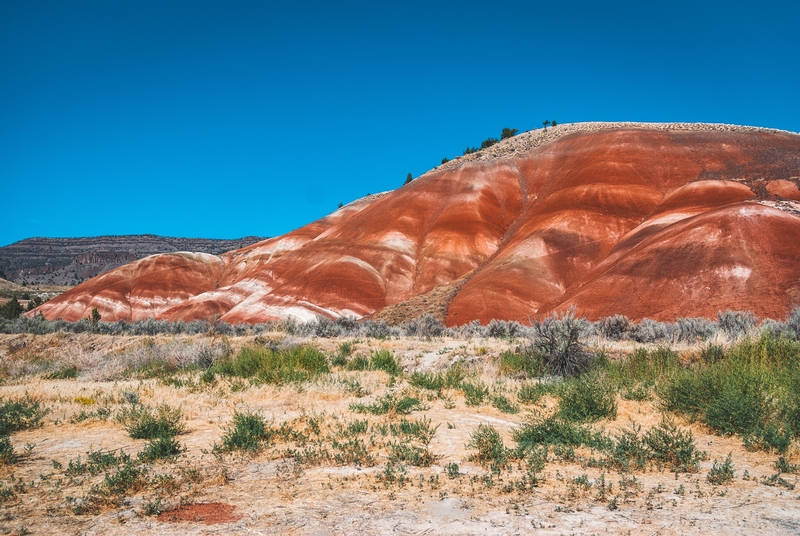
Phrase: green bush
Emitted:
{"points": [[452, 470], [144, 422], [410, 454], [161, 448], [673, 447], [721, 473], [537, 431], [489, 445], [504, 404], [528, 364], [419, 429], [664, 445], [712, 353], [352, 452], [267, 365], [384, 360], [753, 391], [474, 393], [247, 433], [649, 366], [7, 454], [639, 392], [66, 373], [427, 380], [629, 451], [742, 404], [588, 398], [689, 391], [784, 466], [22, 414], [437, 381], [345, 351], [128, 477], [97, 462], [359, 362], [530, 393]]}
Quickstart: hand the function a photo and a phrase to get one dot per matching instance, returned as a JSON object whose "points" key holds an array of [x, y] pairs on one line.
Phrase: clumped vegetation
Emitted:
{"points": [[588, 398], [247, 433], [752, 391], [721, 473], [489, 447], [17, 415], [450, 378], [393, 404], [21, 414], [508, 133], [273, 366], [145, 422]]}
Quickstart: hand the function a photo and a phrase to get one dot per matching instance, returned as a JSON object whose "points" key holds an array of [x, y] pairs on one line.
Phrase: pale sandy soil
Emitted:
{"points": [[273, 495]]}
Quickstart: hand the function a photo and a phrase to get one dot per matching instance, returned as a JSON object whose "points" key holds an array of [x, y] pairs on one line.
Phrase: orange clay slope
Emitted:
{"points": [[646, 220]]}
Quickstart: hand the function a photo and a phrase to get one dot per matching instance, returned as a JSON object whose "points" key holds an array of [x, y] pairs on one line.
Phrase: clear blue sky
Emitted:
{"points": [[224, 119]]}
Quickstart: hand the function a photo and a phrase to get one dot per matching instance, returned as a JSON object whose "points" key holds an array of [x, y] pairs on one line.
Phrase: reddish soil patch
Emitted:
{"points": [[207, 513]]}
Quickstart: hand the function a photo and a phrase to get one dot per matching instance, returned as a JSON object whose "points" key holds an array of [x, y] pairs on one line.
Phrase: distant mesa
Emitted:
{"points": [[70, 261], [646, 220]]}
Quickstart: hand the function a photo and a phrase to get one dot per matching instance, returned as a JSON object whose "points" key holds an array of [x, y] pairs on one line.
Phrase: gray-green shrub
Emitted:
{"points": [[559, 341]]}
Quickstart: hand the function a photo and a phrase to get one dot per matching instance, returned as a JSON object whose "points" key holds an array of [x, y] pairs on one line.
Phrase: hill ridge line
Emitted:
{"points": [[524, 142]]}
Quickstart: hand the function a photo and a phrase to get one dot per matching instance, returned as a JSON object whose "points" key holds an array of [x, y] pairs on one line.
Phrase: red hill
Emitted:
{"points": [[643, 220]]}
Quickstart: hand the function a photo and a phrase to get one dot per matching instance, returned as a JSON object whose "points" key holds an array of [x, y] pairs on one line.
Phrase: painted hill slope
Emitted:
{"points": [[657, 220]]}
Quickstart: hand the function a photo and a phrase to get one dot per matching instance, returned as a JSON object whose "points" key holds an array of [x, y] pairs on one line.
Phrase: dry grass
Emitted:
{"points": [[286, 489]]}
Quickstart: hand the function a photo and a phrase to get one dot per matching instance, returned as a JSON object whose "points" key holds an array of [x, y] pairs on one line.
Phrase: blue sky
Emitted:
{"points": [[225, 119]]}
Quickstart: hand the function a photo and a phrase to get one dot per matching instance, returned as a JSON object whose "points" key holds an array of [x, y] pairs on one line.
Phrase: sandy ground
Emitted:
{"points": [[269, 493]]}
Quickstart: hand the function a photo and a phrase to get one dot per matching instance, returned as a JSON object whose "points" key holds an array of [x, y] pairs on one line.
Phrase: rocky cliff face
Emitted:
{"points": [[643, 220], [69, 261]]}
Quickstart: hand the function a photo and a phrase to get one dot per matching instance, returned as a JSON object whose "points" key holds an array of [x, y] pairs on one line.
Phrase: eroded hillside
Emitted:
{"points": [[646, 220]]}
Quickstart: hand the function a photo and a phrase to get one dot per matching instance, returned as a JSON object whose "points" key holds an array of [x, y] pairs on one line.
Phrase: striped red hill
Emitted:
{"points": [[646, 220]]}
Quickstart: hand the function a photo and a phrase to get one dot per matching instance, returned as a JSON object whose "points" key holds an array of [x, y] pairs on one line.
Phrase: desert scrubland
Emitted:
{"points": [[565, 427]]}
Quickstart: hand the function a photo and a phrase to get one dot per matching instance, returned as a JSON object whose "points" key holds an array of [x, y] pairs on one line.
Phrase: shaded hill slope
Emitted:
{"points": [[638, 219]]}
